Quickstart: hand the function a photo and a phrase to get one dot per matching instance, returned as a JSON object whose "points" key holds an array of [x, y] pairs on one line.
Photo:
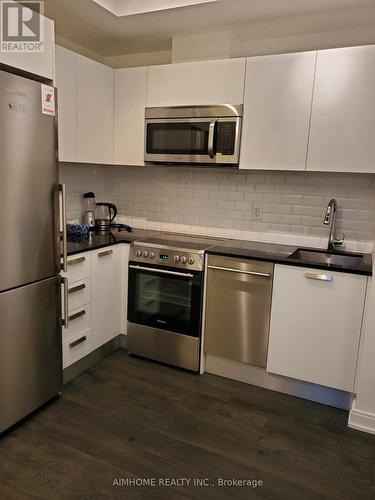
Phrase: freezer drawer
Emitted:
{"points": [[238, 308], [30, 349]]}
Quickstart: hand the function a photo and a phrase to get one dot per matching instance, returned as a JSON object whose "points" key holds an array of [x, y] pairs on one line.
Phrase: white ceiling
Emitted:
{"points": [[92, 26]]}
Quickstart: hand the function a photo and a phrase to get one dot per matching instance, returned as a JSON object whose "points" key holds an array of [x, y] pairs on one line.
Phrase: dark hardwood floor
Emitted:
{"points": [[127, 418]]}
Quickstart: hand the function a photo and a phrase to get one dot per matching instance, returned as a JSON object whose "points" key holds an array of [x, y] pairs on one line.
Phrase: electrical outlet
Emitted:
{"points": [[257, 212]]}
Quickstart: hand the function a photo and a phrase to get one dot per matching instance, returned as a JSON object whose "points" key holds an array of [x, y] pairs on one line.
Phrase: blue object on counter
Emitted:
{"points": [[77, 229]]}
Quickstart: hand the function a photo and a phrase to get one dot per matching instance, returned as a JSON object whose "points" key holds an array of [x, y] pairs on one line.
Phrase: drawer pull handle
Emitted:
{"points": [[77, 315], [73, 262], [77, 342], [104, 254], [320, 277], [77, 288]]}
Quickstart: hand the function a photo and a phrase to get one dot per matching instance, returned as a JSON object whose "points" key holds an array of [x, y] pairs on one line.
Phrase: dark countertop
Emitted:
{"points": [[271, 252], [279, 254], [94, 241]]}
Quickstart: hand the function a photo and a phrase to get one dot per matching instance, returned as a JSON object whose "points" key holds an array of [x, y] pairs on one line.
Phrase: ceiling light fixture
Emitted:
{"points": [[122, 8]]}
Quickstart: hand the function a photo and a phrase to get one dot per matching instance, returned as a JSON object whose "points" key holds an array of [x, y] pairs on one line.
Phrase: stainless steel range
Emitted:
{"points": [[165, 298]]}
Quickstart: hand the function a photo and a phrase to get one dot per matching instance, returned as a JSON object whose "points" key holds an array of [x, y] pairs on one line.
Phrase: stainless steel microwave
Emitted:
{"points": [[193, 134]]}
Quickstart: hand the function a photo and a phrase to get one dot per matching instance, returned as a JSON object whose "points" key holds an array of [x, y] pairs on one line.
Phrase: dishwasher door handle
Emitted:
{"points": [[238, 271]]}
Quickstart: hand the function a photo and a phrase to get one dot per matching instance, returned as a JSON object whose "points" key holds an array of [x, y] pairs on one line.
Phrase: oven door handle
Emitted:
{"points": [[162, 271]]}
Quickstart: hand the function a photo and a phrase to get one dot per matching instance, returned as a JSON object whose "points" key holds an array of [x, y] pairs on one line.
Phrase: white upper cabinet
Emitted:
{"points": [[38, 63], [85, 108], [129, 122], [66, 83], [315, 325], [194, 83], [95, 92], [343, 112], [277, 105]]}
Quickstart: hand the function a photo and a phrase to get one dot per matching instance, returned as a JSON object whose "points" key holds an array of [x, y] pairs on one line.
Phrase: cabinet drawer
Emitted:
{"points": [[79, 321], [79, 294], [78, 267], [76, 347]]}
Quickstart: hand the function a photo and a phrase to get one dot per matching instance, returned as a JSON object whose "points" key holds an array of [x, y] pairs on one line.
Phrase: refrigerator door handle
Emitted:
{"points": [[65, 321], [63, 234]]}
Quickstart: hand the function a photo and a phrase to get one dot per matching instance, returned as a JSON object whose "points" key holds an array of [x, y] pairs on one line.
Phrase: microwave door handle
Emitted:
{"points": [[211, 136]]}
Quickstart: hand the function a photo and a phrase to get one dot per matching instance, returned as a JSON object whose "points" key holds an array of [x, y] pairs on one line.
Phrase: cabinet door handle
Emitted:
{"points": [[77, 288], [320, 277], [104, 254], [77, 315], [73, 262], [77, 342]]}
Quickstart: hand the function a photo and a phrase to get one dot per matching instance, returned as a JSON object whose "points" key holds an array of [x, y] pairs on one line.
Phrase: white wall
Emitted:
{"points": [[217, 45]]}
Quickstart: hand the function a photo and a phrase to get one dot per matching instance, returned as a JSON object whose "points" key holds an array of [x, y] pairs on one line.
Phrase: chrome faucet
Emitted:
{"points": [[330, 220]]}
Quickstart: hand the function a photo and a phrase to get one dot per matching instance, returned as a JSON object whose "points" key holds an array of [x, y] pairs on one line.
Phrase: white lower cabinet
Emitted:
{"points": [[76, 348], [107, 296], [315, 325], [97, 291]]}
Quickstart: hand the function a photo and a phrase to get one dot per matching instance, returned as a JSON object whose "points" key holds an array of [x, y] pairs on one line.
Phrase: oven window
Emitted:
{"points": [[178, 138], [167, 302]]}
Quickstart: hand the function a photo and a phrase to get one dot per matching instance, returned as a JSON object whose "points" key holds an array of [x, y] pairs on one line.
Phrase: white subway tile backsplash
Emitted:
{"points": [[221, 200]]}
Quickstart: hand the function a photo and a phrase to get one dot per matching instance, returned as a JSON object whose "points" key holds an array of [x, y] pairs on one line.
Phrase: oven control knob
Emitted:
{"points": [[152, 255], [139, 253], [191, 261], [145, 254], [176, 259], [183, 260]]}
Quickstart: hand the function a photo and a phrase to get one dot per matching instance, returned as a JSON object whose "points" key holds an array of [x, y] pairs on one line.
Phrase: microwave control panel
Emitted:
{"points": [[226, 138]]}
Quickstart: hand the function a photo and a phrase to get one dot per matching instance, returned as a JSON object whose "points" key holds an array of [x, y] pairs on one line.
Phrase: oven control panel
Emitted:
{"points": [[167, 257]]}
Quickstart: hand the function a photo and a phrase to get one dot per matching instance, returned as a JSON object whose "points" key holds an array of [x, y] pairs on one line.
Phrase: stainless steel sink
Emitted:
{"points": [[334, 258]]}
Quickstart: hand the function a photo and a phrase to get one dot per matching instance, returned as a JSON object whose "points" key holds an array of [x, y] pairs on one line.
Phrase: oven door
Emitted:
{"points": [[166, 299]]}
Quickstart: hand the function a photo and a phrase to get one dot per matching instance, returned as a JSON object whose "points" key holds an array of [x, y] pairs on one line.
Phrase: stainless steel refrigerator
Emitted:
{"points": [[30, 303]]}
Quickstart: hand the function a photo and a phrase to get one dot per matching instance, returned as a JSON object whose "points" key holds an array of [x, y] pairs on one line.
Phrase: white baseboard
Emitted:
{"points": [[361, 421]]}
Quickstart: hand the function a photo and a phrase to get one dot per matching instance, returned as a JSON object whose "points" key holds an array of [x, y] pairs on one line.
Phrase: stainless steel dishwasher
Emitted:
{"points": [[238, 309]]}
